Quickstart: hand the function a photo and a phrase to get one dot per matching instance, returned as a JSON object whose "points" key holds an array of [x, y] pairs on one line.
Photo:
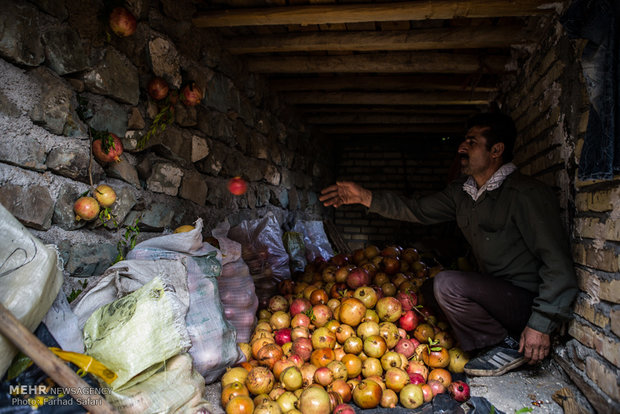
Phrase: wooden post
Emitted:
{"points": [[30, 345]]}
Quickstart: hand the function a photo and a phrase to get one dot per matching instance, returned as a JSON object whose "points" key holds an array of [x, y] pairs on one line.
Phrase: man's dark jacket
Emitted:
{"points": [[515, 234]]}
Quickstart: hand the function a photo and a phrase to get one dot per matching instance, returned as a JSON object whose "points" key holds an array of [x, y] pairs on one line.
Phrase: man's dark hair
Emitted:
{"points": [[501, 128]]}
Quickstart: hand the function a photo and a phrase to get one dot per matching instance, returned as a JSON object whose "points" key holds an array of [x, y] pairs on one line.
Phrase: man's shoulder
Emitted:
{"points": [[524, 184]]}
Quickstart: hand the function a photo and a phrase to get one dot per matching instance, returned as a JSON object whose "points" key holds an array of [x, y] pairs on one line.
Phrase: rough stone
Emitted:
{"points": [[258, 146], [272, 175], [114, 76], [293, 197], [165, 178], [136, 120], [194, 188], [64, 51], [179, 9], [124, 170], [279, 197], [219, 94], [217, 125], [64, 216], [212, 164], [263, 195], [200, 148], [286, 178], [72, 161], [84, 260], [249, 167], [156, 217], [55, 110], [20, 37], [22, 146], [7, 107], [53, 7], [174, 144], [185, 116], [125, 201], [130, 140], [33, 205], [218, 194], [104, 114], [165, 61]]}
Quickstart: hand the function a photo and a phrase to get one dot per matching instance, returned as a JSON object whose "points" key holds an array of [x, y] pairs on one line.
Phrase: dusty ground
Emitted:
{"points": [[525, 388]]}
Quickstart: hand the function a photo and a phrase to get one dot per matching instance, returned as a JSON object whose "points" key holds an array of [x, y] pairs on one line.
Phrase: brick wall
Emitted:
{"points": [[59, 60], [548, 101], [421, 165]]}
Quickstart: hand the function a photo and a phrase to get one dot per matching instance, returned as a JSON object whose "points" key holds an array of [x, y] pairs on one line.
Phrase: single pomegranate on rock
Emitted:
{"points": [[158, 88], [86, 208], [105, 195], [108, 151], [122, 22], [191, 95], [237, 186]]}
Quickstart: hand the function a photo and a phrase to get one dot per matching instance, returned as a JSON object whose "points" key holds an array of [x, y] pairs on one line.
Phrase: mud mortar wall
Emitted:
{"points": [[62, 70]]}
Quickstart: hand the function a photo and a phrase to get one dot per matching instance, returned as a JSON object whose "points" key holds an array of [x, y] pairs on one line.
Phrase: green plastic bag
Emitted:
{"points": [[296, 249], [138, 332]]}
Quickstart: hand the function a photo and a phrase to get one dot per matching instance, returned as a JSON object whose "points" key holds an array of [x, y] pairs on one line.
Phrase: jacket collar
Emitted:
{"points": [[496, 180]]}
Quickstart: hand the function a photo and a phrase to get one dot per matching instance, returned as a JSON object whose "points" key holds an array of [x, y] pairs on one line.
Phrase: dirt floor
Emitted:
{"points": [[515, 392]]}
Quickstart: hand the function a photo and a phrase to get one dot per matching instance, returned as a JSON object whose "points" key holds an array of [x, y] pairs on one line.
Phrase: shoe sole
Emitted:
{"points": [[496, 372]]}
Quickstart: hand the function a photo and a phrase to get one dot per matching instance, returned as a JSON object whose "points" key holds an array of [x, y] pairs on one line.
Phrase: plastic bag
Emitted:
{"points": [[176, 387], [214, 339], [138, 331], [315, 239], [262, 250], [236, 285], [294, 245], [30, 278], [63, 325]]}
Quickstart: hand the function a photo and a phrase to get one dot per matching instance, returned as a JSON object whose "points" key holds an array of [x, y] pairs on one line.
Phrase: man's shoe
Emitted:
{"points": [[496, 361]]}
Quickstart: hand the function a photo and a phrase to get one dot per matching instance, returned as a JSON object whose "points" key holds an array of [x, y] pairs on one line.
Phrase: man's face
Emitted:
{"points": [[475, 158]]}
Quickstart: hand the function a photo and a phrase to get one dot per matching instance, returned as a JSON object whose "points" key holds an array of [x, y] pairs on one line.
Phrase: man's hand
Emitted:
{"points": [[345, 192], [534, 345]]}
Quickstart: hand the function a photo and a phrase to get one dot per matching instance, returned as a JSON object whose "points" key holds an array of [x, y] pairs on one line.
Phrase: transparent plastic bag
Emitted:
{"points": [[236, 285], [296, 248], [316, 241], [264, 253]]}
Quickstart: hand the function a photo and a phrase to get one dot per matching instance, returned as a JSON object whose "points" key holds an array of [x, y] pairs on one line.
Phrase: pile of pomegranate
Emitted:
{"points": [[353, 329]]}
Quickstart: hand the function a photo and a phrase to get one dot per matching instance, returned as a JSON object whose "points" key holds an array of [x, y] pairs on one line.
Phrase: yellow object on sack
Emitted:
{"points": [[86, 364]]}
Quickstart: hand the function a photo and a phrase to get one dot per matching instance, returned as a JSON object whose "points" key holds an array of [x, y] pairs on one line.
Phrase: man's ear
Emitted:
{"points": [[497, 150]]}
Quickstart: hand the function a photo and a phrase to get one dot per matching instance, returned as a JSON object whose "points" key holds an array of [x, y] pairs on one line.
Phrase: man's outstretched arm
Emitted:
{"points": [[345, 192]]}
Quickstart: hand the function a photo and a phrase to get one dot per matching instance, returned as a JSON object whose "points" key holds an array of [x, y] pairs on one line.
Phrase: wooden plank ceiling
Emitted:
{"points": [[410, 68]]}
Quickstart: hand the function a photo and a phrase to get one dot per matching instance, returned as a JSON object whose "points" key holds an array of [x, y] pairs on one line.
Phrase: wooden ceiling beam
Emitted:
{"points": [[375, 12], [397, 62], [422, 39], [400, 83], [388, 98], [382, 119], [345, 110], [391, 129]]}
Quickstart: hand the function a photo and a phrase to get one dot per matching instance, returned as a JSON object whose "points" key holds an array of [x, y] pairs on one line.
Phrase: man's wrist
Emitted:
{"points": [[366, 197]]}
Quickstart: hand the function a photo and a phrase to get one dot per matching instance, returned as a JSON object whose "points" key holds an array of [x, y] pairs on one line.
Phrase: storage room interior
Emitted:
{"points": [[287, 97]]}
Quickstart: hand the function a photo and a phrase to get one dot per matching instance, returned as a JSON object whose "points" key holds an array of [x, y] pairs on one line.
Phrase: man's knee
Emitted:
{"points": [[445, 285]]}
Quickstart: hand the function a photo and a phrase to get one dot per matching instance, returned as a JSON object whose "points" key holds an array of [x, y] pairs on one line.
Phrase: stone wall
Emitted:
{"points": [[548, 100], [62, 71]]}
